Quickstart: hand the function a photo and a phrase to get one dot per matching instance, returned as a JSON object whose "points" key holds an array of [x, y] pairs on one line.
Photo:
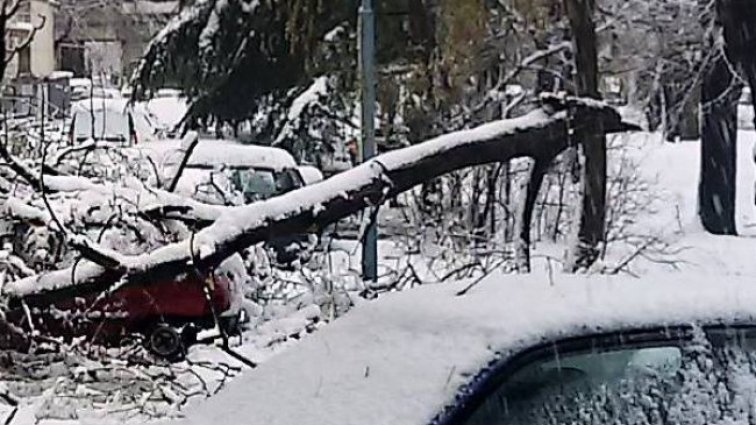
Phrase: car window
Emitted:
{"points": [[713, 375], [258, 184]]}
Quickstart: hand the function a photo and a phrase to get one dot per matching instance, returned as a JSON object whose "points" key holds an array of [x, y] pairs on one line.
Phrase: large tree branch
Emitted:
{"points": [[538, 134]]}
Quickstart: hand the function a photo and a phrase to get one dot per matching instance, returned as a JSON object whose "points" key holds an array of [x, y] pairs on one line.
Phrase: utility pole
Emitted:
{"points": [[367, 81]]}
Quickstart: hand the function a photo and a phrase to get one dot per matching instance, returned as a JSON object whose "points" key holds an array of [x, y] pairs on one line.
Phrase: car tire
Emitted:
{"points": [[165, 341]]}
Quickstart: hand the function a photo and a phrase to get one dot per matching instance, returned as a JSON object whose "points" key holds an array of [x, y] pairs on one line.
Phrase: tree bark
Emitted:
{"points": [[542, 133], [528, 196], [719, 94], [717, 186], [591, 222]]}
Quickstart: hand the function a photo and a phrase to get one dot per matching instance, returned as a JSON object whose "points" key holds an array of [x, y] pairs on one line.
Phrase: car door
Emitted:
{"points": [[666, 376]]}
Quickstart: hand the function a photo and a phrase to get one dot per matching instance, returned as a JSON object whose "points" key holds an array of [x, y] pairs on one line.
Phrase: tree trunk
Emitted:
{"points": [[717, 184], [738, 18], [529, 189], [590, 232]]}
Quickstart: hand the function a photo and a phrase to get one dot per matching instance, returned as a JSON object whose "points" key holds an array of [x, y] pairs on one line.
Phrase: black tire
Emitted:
{"points": [[189, 335], [165, 341]]}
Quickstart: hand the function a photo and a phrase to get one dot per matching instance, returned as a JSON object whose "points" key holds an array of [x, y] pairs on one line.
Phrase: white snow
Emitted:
{"points": [[310, 174], [221, 153], [168, 111], [207, 36], [311, 96]]}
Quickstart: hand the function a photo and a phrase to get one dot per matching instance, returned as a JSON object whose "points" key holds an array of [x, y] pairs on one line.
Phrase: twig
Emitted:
{"points": [[191, 139]]}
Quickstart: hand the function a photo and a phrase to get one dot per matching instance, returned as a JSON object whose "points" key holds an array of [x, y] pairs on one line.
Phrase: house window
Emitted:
{"points": [[24, 61]]}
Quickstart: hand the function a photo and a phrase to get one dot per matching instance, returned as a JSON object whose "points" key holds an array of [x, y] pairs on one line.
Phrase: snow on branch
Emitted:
{"points": [[542, 133]]}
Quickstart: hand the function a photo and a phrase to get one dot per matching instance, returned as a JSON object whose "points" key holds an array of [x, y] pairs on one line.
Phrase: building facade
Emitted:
{"points": [[107, 38], [33, 26]]}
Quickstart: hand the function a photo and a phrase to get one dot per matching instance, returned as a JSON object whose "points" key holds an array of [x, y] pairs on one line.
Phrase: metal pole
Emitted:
{"points": [[367, 74]]}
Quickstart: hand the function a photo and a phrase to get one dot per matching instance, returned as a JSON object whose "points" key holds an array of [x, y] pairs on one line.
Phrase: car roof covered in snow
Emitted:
{"points": [[99, 103], [403, 358], [215, 153]]}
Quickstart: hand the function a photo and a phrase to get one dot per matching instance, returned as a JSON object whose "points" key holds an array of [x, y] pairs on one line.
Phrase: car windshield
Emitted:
{"points": [[703, 382]]}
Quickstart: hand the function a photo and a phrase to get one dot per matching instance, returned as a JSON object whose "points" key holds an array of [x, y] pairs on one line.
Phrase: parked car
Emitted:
{"points": [[672, 349], [310, 175], [111, 120], [226, 172], [168, 314]]}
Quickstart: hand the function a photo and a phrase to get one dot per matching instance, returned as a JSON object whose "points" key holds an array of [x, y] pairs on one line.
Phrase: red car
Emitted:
{"points": [[168, 314]]}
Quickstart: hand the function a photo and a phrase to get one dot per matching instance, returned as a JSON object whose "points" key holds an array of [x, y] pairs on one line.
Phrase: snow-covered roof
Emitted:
{"points": [[403, 358], [100, 103]]}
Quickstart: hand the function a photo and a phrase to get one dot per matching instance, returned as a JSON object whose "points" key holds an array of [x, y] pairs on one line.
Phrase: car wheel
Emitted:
{"points": [[165, 341]]}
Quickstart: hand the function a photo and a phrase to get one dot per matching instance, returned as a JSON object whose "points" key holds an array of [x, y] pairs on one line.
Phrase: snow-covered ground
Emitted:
{"points": [[672, 172]]}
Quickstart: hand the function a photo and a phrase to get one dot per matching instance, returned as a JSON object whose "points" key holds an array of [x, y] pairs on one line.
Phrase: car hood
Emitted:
{"points": [[403, 358]]}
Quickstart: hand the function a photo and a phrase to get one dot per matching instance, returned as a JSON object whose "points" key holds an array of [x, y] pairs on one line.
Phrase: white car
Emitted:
{"points": [[674, 349], [111, 120]]}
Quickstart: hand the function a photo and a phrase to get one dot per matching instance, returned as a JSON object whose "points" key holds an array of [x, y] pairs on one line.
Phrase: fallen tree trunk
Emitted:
{"points": [[542, 133]]}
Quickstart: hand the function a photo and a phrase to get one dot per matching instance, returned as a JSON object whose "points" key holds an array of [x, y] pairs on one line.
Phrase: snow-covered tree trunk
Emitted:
{"points": [[542, 133]]}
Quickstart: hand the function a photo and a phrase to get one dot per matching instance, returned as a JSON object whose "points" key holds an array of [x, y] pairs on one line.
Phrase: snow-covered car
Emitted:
{"points": [[310, 175], [673, 349], [217, 169], [227, 172], [111, 120]]}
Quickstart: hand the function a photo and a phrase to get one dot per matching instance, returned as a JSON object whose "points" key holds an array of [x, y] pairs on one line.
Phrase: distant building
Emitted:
{"points": [[36, 20], [107, 38]]}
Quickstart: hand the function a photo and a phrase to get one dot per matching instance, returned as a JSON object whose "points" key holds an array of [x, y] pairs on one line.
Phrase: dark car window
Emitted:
{"points": [[259, 184], [707, 377]]}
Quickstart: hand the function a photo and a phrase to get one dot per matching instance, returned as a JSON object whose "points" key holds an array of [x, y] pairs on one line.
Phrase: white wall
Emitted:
{"points": [[43, 45]]}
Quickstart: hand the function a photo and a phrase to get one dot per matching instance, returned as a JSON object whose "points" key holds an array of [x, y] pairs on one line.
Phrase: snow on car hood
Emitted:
{"points": [[403, 358]]}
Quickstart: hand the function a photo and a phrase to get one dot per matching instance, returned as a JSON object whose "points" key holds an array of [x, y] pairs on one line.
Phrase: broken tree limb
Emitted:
{"points": [[524, 215], [188, 143], [542, 133]]}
